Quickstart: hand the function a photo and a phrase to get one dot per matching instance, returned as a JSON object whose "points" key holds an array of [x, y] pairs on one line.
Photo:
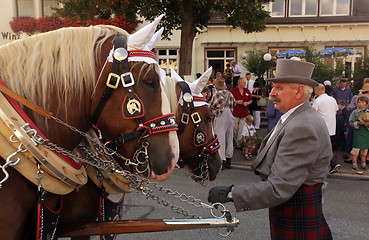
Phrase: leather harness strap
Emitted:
{"points": [[25, 102], [113, 81]]}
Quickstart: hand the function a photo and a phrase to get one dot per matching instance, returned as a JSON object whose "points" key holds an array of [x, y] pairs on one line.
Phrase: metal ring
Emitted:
{"points": [[212, 210], [224, 235]]}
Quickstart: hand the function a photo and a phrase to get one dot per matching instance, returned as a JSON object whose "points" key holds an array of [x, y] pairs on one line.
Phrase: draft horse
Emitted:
{"points": [[76, 74], [198, 144]]}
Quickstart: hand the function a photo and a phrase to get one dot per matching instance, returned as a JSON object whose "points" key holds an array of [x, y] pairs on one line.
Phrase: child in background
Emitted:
{"points": [[360, 143], [342, 124], [249, 136]]}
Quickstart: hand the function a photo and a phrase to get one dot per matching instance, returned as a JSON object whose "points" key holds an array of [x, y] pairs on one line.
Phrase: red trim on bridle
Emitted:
{"points": [[160, 124], [199, 99], [212, 147], [142, 53]]}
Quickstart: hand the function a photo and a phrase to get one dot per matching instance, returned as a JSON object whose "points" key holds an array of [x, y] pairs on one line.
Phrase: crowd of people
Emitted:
{"points": [[234, 101]]}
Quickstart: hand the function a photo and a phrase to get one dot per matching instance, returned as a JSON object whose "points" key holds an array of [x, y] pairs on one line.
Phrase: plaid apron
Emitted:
{"points": [[301, 217]]}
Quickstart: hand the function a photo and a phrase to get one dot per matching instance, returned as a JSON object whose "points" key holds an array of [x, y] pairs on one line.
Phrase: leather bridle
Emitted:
{"points": [[133, 107], [200, 138]]}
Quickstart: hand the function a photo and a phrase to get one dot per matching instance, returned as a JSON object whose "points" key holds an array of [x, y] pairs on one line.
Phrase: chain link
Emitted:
{"points": [[106, 162]]}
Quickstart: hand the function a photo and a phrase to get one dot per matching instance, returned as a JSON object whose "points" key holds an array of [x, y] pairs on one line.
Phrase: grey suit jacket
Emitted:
{"points": [[299, 153]]}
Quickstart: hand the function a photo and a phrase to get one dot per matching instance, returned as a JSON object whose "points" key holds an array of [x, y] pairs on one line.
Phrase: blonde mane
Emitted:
{"points": [[66, 58], [170, 90]]}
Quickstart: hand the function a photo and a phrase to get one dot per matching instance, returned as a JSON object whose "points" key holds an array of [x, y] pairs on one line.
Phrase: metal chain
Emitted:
{"points": [[139, 183]]}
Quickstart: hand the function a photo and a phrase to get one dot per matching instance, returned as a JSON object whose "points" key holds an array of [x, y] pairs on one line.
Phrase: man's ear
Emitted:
{"points": [[300, 92]]}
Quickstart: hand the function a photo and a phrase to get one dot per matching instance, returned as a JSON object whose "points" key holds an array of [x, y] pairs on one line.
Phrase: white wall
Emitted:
{"points": [[7, 11]]}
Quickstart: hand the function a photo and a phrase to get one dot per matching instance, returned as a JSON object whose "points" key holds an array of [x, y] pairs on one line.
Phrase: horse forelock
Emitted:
{"points": [[170, 90], [63, 62]]}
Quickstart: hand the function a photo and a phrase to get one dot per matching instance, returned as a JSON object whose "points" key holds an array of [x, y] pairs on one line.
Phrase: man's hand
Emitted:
{"points": [[219, 194]]}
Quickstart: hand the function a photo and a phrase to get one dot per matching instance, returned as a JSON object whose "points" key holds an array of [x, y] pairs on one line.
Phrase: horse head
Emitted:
{"points": [[147, 130], [198, 143], [99, 76]]}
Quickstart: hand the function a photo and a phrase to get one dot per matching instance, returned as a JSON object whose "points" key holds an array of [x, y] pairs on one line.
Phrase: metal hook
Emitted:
{"points": [[11, 163]]}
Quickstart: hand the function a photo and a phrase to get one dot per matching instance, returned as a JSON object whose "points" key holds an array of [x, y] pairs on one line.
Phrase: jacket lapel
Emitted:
{"points": [[265, 144]]}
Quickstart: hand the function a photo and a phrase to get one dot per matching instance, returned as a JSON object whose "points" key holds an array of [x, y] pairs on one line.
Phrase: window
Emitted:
{"points": [[303, 8], [334, 7], [25, 8], [219, 58], [47, 5], [276, 8], [167, 59]]}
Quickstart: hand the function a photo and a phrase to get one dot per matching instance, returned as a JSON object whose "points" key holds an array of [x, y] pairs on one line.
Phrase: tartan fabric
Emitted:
{"points": [[301, 217]]}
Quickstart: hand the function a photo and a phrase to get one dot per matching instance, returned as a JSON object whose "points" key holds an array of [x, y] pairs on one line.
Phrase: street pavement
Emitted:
{"points": [[345, 172]]}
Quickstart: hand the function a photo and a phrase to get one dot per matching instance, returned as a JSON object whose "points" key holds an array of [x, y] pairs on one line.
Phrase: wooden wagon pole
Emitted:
{"points": [[139, 226]]}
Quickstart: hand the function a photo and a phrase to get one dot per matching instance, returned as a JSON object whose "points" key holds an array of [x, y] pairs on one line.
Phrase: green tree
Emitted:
{"points": [[255, 64], [190, 16], [322, 71], [361, 72]]}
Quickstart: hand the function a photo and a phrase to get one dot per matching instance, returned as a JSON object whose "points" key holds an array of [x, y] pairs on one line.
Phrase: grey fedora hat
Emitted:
{"points": [[294, 71]]}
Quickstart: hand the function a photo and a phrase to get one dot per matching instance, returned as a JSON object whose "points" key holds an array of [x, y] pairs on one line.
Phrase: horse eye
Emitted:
{"points": [[150, 82]]}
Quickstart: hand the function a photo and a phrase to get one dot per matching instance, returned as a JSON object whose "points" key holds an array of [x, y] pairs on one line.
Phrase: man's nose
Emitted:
{"points": [[272, 92]]}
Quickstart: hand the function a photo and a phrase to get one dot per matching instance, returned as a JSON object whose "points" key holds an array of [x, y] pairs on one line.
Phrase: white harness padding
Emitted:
{"points": [[58, 176]]}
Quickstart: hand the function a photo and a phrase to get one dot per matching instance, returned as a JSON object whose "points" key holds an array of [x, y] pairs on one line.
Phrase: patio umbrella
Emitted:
{"points": [[291, 53], [335, 52]]}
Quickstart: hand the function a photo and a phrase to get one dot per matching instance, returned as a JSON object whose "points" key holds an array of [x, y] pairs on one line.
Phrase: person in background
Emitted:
{"points": [[249, 82], [352, 106], [273, 115], [221, 106], [197, 75], [228, 75], [362, 92], [360, 144], [342, 124], [206, 93], [292, 162], [327, 108], [249, 137], [254, 107], [236, 72], [243, 99], [328, 88], [211, 87], [342, 92]]}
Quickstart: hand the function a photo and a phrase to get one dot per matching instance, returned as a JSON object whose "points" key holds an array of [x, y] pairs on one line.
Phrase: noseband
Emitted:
{"points": [[132, 107], [189, 112]]}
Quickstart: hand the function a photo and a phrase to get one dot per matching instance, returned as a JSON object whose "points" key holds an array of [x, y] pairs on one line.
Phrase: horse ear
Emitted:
{"points": [[142, 37], [154, 39], [198, 85], [175, 75]]}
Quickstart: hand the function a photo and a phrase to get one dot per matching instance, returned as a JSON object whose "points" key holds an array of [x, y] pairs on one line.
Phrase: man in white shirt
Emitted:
{"points": [[249, 82], [327, 107], [236, 72]]}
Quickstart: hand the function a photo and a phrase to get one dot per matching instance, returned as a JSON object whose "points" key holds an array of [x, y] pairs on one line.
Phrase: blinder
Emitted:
{"points": [[132, 105]]}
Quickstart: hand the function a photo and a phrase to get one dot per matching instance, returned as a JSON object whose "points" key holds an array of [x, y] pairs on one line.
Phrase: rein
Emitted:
{"points": [[133, 105]]}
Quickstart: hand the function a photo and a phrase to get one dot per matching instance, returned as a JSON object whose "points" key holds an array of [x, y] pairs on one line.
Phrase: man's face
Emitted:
{"points": [[248, 77], [343, 84], [242, 83], [284, 97]]}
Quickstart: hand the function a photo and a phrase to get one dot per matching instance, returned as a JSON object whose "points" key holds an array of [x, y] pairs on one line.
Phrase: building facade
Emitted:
{"points": [[324, 23]]}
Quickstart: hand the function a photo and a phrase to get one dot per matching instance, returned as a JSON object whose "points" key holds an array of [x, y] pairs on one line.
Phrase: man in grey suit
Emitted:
{"points": [[293, 161]]}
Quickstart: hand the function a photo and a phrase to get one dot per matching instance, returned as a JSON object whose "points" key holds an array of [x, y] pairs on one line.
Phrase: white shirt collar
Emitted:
{"points": [[289, 112]]}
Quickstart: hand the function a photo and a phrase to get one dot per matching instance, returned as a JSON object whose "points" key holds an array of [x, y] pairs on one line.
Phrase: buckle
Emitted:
{"points": [[116, 84], [196, 117], [127, 79], [185, 117]]}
